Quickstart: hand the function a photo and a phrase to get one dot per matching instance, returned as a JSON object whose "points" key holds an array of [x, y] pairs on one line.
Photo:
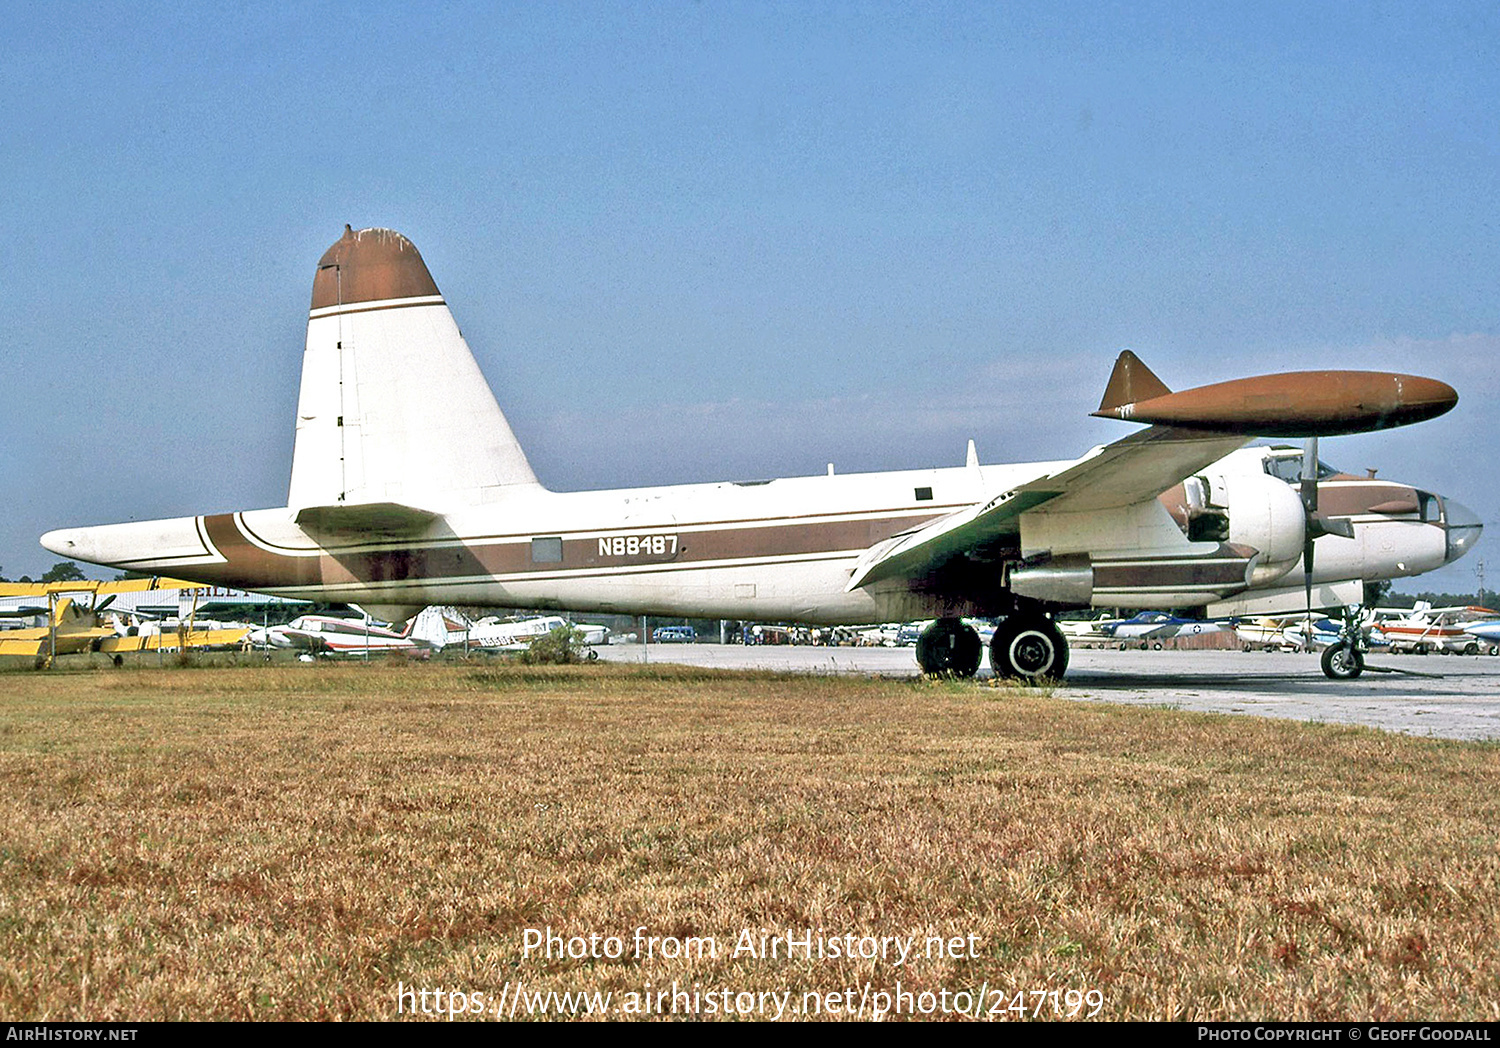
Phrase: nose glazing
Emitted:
{"points": [[1463, 528]]}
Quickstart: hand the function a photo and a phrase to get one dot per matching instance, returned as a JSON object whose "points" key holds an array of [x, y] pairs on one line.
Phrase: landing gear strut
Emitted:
{"points": [[1029, 647], [949, 646], [1344, 659]]}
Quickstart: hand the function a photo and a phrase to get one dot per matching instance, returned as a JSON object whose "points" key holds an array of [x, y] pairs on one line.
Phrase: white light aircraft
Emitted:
{"points": [[334, 635], [1426, 629], [408, 488], [498, 635]]}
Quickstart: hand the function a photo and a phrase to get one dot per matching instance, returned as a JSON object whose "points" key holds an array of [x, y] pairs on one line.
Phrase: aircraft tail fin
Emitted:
{"points": [[1130, 383], [393, 409]]}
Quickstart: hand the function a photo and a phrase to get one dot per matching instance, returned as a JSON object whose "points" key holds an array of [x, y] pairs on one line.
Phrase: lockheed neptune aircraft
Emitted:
{"points": [[408, 488]]}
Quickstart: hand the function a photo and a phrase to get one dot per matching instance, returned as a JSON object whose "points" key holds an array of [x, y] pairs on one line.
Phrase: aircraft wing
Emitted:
{"points": [[1133, 469], [41, 589]]}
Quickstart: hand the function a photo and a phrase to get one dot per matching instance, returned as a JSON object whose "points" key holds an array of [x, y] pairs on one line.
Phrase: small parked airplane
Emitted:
{"points": [[1426, 629], [334, 635], [71, 626], [101, 623], [1487, 633], [1158, 626], [517, 635], [408, 488]]}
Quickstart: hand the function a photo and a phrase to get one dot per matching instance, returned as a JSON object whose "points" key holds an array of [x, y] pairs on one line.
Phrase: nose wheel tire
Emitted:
{"points": [[1341, 662], [949, 647], [1030, 648]]}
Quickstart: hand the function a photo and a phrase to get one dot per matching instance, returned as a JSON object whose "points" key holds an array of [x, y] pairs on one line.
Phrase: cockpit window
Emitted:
{"points": [[1289, 468]]}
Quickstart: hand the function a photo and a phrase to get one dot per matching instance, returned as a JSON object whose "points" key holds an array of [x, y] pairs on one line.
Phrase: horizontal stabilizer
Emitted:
{"points": [[387, 518]]}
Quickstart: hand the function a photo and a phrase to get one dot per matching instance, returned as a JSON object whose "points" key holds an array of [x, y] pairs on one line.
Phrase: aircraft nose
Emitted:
{"points": [[1463, 528]]}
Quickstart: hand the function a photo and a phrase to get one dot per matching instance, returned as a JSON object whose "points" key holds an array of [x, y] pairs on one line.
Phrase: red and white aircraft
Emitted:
{"points": [[408, 488], [334, 635]]}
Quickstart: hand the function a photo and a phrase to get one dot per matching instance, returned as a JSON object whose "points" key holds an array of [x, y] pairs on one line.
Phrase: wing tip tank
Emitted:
{"points": [[1292, 404]]}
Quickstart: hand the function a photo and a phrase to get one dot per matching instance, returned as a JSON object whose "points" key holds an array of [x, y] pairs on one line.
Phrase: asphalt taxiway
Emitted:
{"points": [[1453, 697]]}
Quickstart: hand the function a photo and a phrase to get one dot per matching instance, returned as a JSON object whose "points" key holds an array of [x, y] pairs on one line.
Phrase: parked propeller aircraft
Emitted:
{"points": [[70, 627], [334, 635], [516, 635], [1158, 626], [103, 624], [408, 488], [1426, 629], [1488, 634]]}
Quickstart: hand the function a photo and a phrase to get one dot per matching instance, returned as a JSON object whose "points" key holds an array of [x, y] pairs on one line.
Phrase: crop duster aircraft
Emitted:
{"points": [[408, 488]]}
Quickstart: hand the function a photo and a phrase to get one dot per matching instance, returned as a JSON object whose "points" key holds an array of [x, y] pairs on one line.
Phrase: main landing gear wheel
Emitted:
{"points": [[1341, 662], [949, 646], [1029, 647]]}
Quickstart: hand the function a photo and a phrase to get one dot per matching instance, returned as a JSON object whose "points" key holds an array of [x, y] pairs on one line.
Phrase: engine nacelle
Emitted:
{"points": [[1266, 513], [1067, 580]]}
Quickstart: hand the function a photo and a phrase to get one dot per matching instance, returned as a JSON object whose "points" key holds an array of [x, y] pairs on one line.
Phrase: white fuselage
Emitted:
{"points": [[781, 550]]}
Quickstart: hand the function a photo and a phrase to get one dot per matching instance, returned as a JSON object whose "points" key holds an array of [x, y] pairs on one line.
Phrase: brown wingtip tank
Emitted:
{"points": [[1294, 404]]}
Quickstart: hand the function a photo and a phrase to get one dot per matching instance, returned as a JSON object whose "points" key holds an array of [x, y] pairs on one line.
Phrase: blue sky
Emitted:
{"points": [[698, 241]]}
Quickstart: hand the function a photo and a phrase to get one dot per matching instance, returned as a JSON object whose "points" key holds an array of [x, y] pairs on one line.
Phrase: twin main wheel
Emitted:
{"points": [[1027, 647]]}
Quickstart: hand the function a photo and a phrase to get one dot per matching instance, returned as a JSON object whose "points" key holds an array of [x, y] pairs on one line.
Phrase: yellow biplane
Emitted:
{"points": [[75, 626]]}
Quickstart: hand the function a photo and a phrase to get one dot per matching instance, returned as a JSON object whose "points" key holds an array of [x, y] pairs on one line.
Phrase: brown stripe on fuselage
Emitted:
{"points": [[251, 566], [886, 523], [778, 540], [247, 565]]}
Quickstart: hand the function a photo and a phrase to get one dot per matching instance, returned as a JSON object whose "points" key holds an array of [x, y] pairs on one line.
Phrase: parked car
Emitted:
{"points": [[674, 635]]}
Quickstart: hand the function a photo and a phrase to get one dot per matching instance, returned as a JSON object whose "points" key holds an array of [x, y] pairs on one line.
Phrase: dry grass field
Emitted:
{"points": [[303, 842]]}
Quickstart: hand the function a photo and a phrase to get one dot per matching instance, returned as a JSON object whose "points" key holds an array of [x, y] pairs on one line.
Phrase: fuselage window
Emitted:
{"points": [[546, 551]]}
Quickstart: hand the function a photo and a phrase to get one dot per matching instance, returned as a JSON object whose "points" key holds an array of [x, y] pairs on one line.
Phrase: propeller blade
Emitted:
{"points": [[1307, 576], [1310, 475], [1341, 526], [1309, 529]]}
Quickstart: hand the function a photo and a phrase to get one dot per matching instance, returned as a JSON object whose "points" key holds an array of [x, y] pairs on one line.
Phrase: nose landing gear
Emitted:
{"points": [[1344, 659], [1342, 662]]}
